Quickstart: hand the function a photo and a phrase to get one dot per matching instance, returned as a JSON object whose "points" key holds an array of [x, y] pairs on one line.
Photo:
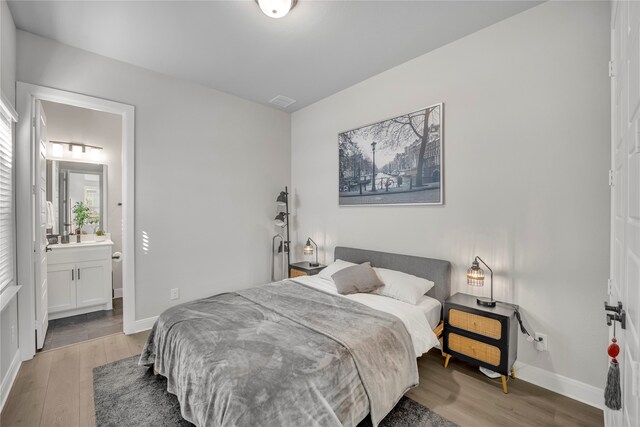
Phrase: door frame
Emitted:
{"points": [[26, 94]]}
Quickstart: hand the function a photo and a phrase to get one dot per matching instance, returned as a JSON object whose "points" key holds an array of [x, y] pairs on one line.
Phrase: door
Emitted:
{"points": [[62, 287], [625, 199], [92, 280], [40, 225]]}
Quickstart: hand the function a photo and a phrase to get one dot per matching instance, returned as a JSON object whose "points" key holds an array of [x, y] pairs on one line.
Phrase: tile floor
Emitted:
{"points": [[75, 329]]}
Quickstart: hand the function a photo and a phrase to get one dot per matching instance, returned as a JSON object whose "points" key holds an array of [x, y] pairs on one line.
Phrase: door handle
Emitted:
{"points": [[78, 274], [614, 308], [615, 317], [618, 315], [72, 271]]}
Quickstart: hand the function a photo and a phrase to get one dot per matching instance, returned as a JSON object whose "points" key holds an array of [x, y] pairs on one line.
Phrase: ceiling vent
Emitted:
{"points": [[282, 101]]}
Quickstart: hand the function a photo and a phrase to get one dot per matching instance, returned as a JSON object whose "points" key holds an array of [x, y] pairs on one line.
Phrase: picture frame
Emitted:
{"points": [[404, 155]]}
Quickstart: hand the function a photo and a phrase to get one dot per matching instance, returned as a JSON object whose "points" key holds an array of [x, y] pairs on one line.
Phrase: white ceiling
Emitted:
{"points": [[320, 48]]}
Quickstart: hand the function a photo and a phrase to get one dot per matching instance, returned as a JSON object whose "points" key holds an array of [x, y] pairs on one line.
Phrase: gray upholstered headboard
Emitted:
{"points": [[436, 270]]}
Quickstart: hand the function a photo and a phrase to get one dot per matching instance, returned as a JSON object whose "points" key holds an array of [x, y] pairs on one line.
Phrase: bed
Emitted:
{"points": [[436, 270], [291, 353]]}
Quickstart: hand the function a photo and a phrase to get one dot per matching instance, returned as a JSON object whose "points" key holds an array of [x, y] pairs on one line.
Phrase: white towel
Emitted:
{"points": [[49, 214]]}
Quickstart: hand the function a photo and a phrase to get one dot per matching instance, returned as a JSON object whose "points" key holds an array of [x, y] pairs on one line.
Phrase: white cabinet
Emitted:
{"points": [[79, 279], [90, 284], [62, 287]]}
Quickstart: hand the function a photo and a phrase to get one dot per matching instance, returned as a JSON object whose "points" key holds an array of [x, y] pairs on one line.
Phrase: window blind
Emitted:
{"points": [[7, 225]]}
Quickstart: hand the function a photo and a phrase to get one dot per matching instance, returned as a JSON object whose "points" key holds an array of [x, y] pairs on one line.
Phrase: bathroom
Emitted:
{"points": [[80, 274]]}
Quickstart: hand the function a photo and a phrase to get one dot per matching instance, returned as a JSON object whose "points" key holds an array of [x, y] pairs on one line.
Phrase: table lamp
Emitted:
{"points": [[475, 277], [308, 250]]}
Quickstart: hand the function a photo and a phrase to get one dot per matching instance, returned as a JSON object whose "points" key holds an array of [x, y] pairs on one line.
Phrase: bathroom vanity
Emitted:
{"points": [[79, 278]]}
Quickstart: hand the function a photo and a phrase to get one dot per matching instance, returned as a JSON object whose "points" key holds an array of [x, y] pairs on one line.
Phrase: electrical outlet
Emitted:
{"points": [[541, 343], [175, 293]]}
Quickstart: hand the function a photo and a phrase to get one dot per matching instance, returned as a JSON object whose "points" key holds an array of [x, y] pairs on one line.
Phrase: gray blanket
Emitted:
{"points": [[281, 354]]}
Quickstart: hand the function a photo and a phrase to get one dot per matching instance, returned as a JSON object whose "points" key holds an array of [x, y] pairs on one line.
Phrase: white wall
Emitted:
{"points": [[208, 168], [67, 123], [9, 354], [8, 53], [526, 152], [9, 316]]}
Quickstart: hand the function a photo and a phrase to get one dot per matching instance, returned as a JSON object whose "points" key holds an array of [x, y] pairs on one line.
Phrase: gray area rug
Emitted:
{"points": [[126, 394]]}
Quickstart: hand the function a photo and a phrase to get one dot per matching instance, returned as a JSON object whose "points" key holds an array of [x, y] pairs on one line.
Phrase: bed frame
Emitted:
{"points": [[436, 270]]}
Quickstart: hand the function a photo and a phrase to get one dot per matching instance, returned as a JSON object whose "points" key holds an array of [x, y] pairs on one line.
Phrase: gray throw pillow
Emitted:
{"points": [[356, 279]]}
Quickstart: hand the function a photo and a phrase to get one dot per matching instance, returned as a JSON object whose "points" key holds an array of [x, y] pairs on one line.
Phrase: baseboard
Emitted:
{"points": [[78, 311], [117, 292], [140, 325], [7, 381], [574, 389]]}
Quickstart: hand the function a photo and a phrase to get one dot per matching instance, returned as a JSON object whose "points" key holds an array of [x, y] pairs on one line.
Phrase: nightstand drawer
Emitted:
{"points": [[296, 273], [486, 326], [475, 349]]}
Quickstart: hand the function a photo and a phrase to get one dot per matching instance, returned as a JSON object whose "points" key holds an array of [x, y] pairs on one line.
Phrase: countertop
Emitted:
{"points": [[73, 244]]}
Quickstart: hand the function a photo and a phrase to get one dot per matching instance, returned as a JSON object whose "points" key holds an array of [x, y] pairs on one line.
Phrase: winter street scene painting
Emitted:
{"points": [[392, 162]]}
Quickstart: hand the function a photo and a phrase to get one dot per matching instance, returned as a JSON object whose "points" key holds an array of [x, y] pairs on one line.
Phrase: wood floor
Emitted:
{"points": [[56, 389], [465, 396]]}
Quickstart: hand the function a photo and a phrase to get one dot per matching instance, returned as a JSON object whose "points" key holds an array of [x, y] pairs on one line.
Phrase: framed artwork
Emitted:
{"points": [[397, 161]]}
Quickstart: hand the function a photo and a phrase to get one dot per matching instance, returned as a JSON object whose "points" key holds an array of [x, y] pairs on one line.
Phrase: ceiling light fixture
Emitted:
{"points": [[276, 8]]}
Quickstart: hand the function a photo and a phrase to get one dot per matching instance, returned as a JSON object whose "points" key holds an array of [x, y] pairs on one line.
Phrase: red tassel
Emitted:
{"points": [[613, 392]]}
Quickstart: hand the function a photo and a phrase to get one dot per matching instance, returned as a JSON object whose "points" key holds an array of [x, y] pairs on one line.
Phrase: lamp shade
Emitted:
{"points": [[96, 154], [76, 151], [308, 249], [57, 150], [475, 275], [280, 219], [282, 198]]}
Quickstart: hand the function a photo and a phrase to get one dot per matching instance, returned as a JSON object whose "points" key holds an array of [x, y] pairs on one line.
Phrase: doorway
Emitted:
{"points": [[83, 193], [75, 160]]}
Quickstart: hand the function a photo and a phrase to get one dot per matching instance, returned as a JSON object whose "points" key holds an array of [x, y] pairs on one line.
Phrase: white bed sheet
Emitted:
{"points": [[431, 308], [412, 316]]}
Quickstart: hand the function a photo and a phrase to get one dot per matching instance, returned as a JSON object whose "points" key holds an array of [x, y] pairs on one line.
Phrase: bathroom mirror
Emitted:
{"points": [[72, 182]]}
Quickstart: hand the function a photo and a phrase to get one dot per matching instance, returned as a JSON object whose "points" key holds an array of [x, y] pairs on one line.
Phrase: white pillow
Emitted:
{"points": [[402, 286], [333, 268]]}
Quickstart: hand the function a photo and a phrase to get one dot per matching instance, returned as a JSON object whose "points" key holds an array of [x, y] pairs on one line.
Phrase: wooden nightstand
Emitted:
{"points": [[485, 336], [304, 269]]}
